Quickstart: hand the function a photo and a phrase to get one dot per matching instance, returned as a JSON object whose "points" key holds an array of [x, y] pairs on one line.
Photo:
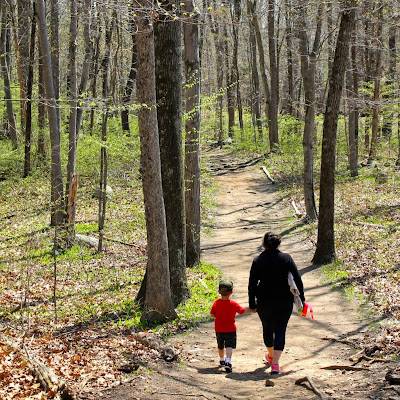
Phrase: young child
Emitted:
{"points": [[224, 311]]}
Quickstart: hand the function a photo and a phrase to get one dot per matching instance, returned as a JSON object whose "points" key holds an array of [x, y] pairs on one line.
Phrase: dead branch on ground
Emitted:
{"points": [[346, 367], [313, 387], [268, 174]]}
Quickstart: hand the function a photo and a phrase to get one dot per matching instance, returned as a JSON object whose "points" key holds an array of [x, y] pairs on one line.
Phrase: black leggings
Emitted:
{"points": [[274, 319]]}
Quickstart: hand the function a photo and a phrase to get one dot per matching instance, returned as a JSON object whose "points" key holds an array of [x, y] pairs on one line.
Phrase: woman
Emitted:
{"points": [[270, 294]]}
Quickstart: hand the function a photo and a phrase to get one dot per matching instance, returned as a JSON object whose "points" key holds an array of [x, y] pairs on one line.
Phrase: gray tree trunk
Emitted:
{"points": [[274, 85], [72, 143], [325, 251], [56, 170], [87, 13], [256, 40], [308, 65], [377, 85], [192, 138], [236, 17], [157, 302], [5, 61], [168, 70]]}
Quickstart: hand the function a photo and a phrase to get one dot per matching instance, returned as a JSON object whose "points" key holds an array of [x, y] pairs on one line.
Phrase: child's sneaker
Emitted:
{"points": [[275, 369], [228, 367], [222, 363]]}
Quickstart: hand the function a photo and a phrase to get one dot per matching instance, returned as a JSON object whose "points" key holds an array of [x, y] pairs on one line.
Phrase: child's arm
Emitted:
{"points": [[248, 310]]}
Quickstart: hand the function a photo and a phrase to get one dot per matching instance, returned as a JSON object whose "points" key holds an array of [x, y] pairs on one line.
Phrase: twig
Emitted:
{"points": [[346, 367], [313, 387], [182, 394], [268, 174], [344, 341]]}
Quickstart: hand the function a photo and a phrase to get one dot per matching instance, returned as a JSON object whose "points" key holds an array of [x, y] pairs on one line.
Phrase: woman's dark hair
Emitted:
{"points": [[271, 240]]}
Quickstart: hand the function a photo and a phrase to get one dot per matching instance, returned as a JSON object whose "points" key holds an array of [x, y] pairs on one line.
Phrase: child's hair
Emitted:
{"points": [[225, 287], [271, 240]]}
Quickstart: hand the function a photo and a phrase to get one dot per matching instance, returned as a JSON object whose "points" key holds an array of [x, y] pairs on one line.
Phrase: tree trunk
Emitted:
{"points": [[130, 83], [168, 70], [255, 83], [377, 86], [229, 87], [29, 86], [325, 251], [87, 61], [72, 143], [255, 40], [5, 62], [353, 114], [308, 64], [235, 67], [41, 114], [219, 48], [289, 50], [388, 122], [192, 138], [157, 303], [273, 67], [56, 170], [105, 63]]}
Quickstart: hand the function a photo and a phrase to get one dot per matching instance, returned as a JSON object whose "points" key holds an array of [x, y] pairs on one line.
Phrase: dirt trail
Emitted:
{"points": [[249, 205]]}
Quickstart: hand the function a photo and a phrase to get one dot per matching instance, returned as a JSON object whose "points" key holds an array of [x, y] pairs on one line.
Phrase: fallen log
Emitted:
{"points": [[268, 174], [346, 367], [313, 387], [168, 353], [46, 377], [296, 210]]}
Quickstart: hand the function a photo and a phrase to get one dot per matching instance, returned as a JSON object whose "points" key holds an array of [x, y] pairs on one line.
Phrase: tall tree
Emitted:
{"points": [[157, 301], [5, 63], [72, 143], [256, 42], [56, 170], [192, 136], [308, 58], [236, 17], [325, 251], [168, 69], [274, 80], [377, 83]]}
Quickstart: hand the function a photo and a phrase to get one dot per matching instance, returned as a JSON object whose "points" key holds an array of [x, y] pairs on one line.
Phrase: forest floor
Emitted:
{"points": [[248, 206]]}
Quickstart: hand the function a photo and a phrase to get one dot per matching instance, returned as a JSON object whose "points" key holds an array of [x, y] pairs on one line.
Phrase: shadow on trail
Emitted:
{"points": [[258, 374]]}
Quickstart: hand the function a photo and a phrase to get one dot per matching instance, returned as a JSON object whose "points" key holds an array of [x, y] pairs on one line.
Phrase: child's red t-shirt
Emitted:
{"points": [[225, 312]]}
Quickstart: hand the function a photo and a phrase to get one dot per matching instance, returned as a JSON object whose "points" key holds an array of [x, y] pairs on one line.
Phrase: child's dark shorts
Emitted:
{"points": [[226, 339]]}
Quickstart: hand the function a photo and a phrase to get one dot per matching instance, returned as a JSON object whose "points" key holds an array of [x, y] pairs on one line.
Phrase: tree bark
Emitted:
{"points": [[289, 50], [273, 67], [5, 62], [56, 170], [308, 65], [255, 82], [87, 61], [236, 17], [130, 83], [377, 86], [256, 40], [29, 87], [192, 137], [72, 143], [168, 70], [353, 114], [157, 303], [105, 63], [388, 122], [325, 251]]}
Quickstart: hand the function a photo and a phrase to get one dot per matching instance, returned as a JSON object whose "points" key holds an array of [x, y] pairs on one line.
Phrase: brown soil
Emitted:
{"points": [[249, 205]]}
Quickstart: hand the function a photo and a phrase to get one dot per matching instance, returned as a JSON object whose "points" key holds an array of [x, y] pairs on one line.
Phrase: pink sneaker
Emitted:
{"points": [[268, 359], [275, 369]]}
